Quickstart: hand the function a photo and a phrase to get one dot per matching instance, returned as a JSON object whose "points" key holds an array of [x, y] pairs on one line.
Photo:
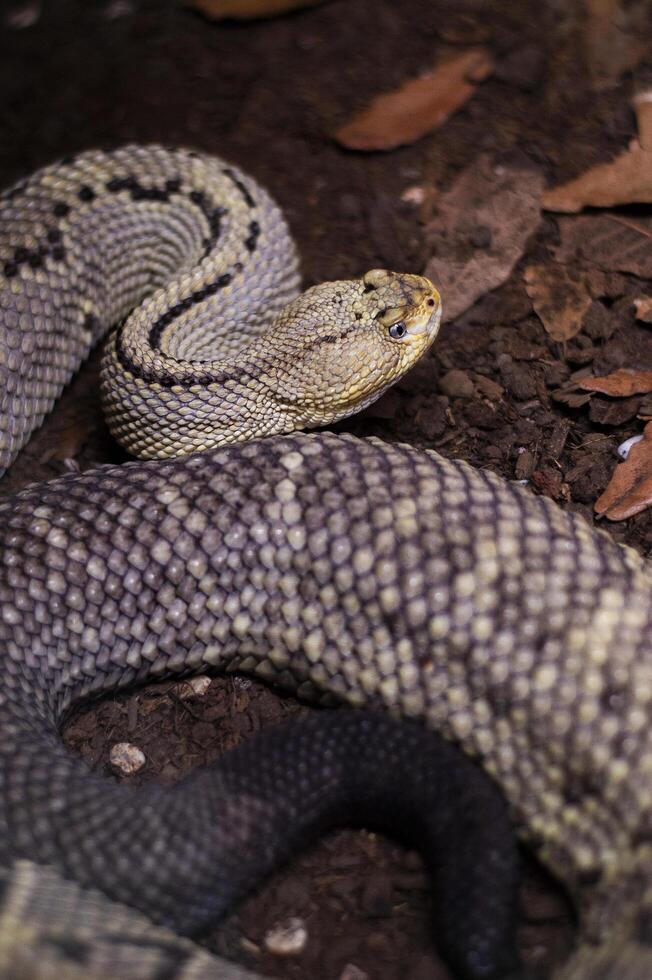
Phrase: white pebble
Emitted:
{"points": [[414, 195], [624, 447], [194, 687], [287, 938], [126, 758]]}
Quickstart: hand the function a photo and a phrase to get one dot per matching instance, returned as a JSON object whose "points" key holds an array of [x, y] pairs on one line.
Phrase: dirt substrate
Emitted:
{"points": [[268, 95]]}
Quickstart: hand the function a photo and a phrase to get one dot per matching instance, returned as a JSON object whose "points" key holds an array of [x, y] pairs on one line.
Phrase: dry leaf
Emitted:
{"points": [[610, 241], [630, 489], [247, 9], [480, 229], [625, 180], [419, 106], [560, 299], [620, 384], [612, 38], [643, 307]]}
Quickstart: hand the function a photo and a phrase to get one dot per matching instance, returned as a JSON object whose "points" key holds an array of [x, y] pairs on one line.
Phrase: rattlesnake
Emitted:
{"points": [[380, 574]]}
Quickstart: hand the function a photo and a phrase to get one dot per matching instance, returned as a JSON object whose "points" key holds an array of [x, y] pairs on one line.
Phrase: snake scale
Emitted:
{"points": [[379, 574]]}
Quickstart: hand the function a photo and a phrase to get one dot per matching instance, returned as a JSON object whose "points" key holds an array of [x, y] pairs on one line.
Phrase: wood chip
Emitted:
{"points": [[501, 201], [571, 397], [560, 298], [418, 106], [630, 489]]}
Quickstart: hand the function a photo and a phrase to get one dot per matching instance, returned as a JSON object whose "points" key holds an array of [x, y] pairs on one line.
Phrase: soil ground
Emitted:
{"points": [[267, 95]]}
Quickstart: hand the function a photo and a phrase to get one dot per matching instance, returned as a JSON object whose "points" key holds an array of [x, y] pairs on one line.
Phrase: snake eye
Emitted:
{"points": [[397, 330]]}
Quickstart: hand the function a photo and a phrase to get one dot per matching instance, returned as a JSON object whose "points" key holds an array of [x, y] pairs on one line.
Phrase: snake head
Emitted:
{"points": [[342, 344], [408, 307]]}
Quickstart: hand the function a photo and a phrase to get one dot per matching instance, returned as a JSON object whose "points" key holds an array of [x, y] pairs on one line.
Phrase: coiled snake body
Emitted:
{"points": [[377, 573]]}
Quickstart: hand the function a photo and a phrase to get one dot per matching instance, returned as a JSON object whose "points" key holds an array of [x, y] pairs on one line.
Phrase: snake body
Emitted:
{"points": [[379, 574]]}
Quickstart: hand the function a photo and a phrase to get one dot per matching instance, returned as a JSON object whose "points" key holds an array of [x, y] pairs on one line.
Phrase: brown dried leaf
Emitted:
{"points": [[559, 299], [626, 180], [496, 206], [419, 106], [630, 489], [247, 9], [643, 307], [620, 384], [610, 241]]}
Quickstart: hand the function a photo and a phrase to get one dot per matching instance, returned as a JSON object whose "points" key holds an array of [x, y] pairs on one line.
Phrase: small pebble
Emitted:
{"points": [[287, 938], [457, 384], [194, 687], [414, 195], [126, 758]]}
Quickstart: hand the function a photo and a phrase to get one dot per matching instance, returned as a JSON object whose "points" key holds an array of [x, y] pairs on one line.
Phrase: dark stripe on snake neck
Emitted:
{"points": [[254, 232], [156, 331], [168, 380], [249, 201]]}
